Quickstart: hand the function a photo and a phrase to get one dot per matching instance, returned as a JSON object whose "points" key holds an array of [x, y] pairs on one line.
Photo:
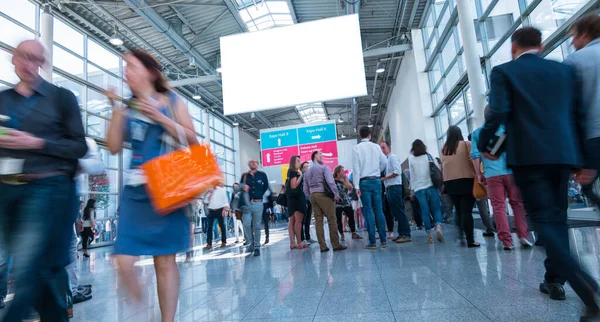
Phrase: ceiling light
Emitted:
{"points": [[340, 120], [192, 63], [379, 69], [197, 97], [220, 70], [258, 140], [373, 104], [115, 39], [343, 136], [235, 122], [370, 125]]}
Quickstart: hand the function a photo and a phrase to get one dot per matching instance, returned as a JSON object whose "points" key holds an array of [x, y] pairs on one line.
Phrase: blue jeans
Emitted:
{"points": [[393, 195], [430, 202], [36, 227], [252, 219], [5, 266], [373, 208]]}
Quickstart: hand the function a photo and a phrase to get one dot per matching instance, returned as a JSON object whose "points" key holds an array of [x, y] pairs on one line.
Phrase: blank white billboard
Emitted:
{"points": [[287, 66]]}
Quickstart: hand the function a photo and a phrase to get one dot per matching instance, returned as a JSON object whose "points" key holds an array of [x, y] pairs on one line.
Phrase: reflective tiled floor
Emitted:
{"points": [[410, 282]]}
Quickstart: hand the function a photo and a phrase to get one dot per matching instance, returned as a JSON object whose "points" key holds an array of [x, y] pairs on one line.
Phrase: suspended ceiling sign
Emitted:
{"points": [[288, 66], [279, 145]]}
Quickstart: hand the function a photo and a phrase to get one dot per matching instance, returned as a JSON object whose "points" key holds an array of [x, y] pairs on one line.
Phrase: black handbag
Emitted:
{"points": [[282, 199], [435, 173], [328, 191]]}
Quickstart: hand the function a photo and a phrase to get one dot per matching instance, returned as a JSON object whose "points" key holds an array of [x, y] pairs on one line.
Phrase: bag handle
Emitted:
{"points": [[183, 142]]}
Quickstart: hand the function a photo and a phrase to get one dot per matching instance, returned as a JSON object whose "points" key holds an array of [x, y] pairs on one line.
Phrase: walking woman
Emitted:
{"points": [[155, 116], [428, 196], [89, 223], [458, 181], [296, 202], [343, 205]]}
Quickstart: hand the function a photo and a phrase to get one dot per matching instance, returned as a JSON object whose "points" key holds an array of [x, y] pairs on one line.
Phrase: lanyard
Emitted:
{"points": [[19, 113]]}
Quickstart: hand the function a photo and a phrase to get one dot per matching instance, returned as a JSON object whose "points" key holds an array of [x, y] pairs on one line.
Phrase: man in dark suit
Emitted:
{"points": [[537, 101]]}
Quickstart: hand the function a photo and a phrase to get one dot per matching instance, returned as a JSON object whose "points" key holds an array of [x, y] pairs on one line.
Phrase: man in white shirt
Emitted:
{"points": [[218, 203], [369, 162], [393, 192]]}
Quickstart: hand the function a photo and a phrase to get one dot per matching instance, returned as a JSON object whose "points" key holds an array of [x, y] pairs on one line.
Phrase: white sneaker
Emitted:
{"points": [[312, 241], [525, 243], [305, 242]]}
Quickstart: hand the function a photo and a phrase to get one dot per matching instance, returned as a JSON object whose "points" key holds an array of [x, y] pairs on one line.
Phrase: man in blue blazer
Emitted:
{"points": [[537, 102]]}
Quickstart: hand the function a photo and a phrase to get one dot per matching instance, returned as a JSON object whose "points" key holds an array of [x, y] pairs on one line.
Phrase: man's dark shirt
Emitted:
{"points": [[259, 184], [52, 114]]}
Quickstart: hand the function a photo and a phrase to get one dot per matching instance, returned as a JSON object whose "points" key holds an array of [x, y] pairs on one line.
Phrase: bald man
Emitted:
{"points": [[42, 139]]}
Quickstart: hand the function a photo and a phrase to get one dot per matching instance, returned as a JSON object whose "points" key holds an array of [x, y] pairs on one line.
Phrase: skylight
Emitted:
{"points": [[312, 113], [265, 14]]}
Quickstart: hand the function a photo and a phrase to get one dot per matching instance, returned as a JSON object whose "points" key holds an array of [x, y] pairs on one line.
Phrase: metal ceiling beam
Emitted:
{"points": [[163, 27], [209, 26], [193, 81], [233, 9], [413, 13], [387, 50]]}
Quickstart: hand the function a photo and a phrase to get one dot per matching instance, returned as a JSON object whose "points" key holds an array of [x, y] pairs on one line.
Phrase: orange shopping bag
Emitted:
{"points": [[176, 179]]}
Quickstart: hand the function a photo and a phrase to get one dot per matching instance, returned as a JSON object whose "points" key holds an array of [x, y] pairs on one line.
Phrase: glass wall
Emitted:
{"points": [[86, 66], [494, 23]]}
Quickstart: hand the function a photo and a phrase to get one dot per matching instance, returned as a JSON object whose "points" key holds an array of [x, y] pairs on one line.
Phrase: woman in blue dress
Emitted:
{"points": [[147, 125]]}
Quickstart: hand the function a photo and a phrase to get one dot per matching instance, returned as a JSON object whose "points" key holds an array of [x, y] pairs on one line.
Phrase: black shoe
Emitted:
{"points": [[267, 241], [86, 255], [324, 250], [79, 298], [340, 248], [555, 290], [83, 290], [488, 233], [2, 305], [591, 315], [256, 252]]}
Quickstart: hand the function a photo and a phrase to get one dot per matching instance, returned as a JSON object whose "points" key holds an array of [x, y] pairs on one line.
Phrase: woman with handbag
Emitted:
{"points": [[296, 203], [154, 118], [459, 180], [424, 190]]}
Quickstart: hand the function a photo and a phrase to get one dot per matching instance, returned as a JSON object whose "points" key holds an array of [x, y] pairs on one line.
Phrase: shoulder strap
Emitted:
{"points": [[429, 157]]}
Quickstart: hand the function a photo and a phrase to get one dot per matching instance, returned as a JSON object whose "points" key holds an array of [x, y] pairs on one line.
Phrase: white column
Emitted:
{"points": [[477, 87], [46, 32], [206, 127]]}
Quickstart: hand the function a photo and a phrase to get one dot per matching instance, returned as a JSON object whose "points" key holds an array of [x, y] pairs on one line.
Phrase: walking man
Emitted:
{"points": [[393, 193], [544, 125], [586, 61], [322, 191], [369, 162], [38, 153], [256, 184]]}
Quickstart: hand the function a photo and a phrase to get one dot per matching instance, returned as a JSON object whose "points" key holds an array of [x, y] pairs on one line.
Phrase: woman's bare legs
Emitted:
{"points": [[292, 230], [167, 280], [298, 216], [127, 276]]}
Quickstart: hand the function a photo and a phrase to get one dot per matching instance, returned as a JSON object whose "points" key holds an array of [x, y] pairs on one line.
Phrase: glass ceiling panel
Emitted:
{"points": [[265, 14]]}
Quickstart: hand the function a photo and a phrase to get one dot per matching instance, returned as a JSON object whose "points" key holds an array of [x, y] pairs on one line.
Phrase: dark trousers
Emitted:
{"points": [[266, 220], [394, 197], [387, 212], [464, 215], [416, 209], [216, 214], [544, 191], [87, 236], [36, 226], [593, 145], [204, 221], [305, 233], [350, 214]]}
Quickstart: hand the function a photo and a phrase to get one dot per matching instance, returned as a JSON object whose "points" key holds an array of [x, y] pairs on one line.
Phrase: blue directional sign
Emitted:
{"points": [[317, 133], [278, 139]]}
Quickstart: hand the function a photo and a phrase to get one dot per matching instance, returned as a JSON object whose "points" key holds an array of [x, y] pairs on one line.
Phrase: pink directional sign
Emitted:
{"points": [[278, 156], [329, 150]]}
